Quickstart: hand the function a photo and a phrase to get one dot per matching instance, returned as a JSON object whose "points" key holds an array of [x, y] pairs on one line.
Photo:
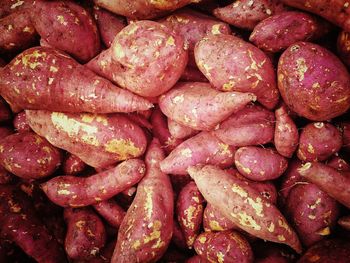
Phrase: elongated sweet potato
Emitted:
{"points": [[83, 191], [146, 58], [86, 234], [180, 131], [50, 80], [67, 26], [313, 82], [203, 148], [253, 125], [216, 56], [29, 156], [199, 106], [22, 225], [329, 180], [225, 246], [111, 212], [20, 122], [10, 6], [243, 205], [189, 210], [73, 165], [146, 230], [83, 134], [318, 141]]}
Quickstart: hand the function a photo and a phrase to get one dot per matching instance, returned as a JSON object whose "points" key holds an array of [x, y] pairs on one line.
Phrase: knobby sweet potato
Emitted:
{"points": [[216, 56], [83, 134], [243, 205], [146, 230], [73, 165], [20, 122], [180, 131], [146, 58], [83, 191], [313, 82], [29, 156], [111, 212]]}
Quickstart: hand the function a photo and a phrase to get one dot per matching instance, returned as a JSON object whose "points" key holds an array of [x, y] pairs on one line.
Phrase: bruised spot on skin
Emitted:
{"points": [[148, 202], [186, 153], [281, 238], [301, 68], [215, 29], [80, 224], [220, 256], [27, 59], [124, 148], [215, 226], [170, 41], [63, 192], [190, 213], [178, 99], [228, 85], [202, 239], [310, 148], [247, 220]]}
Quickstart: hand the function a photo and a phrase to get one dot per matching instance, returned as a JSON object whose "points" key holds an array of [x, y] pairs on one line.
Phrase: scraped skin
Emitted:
{"points": [[198, 106], [216, 57], [83, 191], [111, 212], [203, 148], [146, 58], [226, 246], [243, 205], [47, 79], [313, 82], [146, 230], [83, 134], [328, 179], [67, 26], [29, 156], [213, 220]]}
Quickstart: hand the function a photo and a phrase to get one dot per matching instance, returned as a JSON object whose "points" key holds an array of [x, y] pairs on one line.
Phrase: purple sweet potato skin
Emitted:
{"points": [[343, 47], [345, 129], [338, 163], [213, 220], [278, 32], [20, 122], [83, 191], [82, 134], [180, 131], [73, 165], [313, 82], [5, 131], [146, 58], [318, 141], [86, 234], [193, 74], [8, 7], [312, 212], [225, 246], [29, 156], [67, 26], [260, 164], [111, 212], [216, 57]]}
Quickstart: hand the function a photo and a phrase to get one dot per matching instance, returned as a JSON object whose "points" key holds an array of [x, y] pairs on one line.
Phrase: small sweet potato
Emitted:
{"points": [[198, 106], [146, 230], [180, 131], [225, 246], [111, 212], [67, 26], [73, 165], [29, 156], [260, 164], [243, 205], [319, 141], [343, 47], [83, 134], [86, 234], [20, 122], [146, 58], [313, 82], [83, 191], [253, 125], [189, 210], [216, 57], [286, 136], [203, 148]]}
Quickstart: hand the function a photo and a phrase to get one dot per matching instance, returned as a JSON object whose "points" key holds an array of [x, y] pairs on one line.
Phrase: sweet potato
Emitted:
{"points": [[86, 234], [344, 222], [216, 56], [189, 210], [336, 11], [318, 141], [329, 180], [10, 6], [109, 24], [253, 125], [178, 237], [266, 252], [67, 26], [247, 14], [50, 80], [196, 259], [146, 230], [345, 129], [146, 58], [203, 148], [225, 246], [29, 156], [173, 255], [312, 212], [213, 220], [5, 176], [83, 134], [83, 191], [279, 31], [286, 136], [5, 131], [200, 107], [140, 120], [180, 131], [20, 122], [260, 164], [192, 74], [22, 225], [5, 112], [338, 163], [313, 82], [343, 47], [243, 205], [73, 165], [111, 212]]}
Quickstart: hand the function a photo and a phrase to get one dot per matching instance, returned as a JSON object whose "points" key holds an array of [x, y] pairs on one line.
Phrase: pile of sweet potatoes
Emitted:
{"points": [[174, 131]]}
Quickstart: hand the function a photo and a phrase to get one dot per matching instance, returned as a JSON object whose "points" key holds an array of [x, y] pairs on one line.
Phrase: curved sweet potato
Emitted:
{"points": [[111, 212]]}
